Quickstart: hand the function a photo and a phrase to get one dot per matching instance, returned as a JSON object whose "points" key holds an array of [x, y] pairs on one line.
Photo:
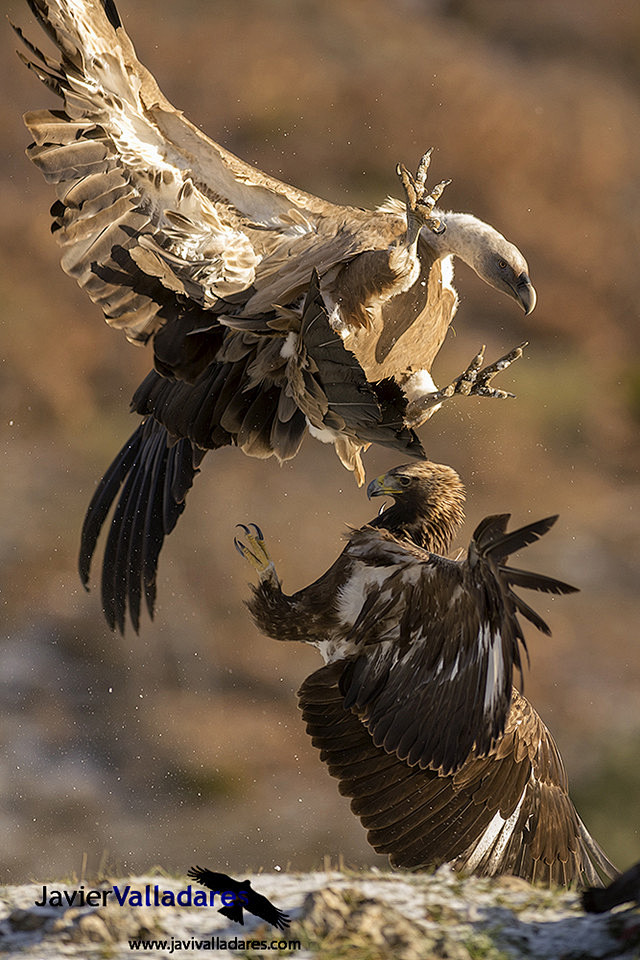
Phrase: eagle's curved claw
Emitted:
{"points": [[419, 203], [253, 530], [473, 382], [254, 550]]}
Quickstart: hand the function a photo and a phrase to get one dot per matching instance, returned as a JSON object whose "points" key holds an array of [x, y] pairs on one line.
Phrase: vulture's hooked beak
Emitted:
{"points": [[524, 292], [382, 486]]}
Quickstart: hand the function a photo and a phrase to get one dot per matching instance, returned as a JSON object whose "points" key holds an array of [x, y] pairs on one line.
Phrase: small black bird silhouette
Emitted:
{"points": [[624, 889], [253, 902]]}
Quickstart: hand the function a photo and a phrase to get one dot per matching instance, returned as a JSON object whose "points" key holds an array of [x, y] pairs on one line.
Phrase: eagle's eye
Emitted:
{"points": [[404, 481]]}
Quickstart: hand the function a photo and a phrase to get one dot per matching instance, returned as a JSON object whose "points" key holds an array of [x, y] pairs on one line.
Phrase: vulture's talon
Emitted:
{"points": [[473, 382], [419, 203]]}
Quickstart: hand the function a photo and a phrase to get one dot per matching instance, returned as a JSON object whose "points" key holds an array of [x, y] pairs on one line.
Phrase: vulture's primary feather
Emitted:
{"points": [[271, 311], [415, 711]]}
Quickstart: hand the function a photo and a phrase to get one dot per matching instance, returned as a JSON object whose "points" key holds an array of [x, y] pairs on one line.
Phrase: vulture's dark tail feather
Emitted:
{"points": [[150, 476], [102, 500]]}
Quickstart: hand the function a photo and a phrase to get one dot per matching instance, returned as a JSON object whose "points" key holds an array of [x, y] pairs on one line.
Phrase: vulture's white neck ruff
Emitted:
{"points": [[465, 237]]}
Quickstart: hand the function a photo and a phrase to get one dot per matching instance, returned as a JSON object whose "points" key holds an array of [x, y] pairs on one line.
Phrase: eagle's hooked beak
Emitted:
{"points": [[382, 486], [524, 292]]}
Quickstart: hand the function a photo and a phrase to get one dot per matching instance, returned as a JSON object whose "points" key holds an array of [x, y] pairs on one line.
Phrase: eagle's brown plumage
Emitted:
{"points": [[506, 812], [270, 310], [415, 712]]}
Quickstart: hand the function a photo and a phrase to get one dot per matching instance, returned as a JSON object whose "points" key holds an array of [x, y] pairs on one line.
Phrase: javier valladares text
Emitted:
{"points": [[151, 896]]}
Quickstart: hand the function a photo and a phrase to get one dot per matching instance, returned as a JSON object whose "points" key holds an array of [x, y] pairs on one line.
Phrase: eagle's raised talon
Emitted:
{"points": [[254, 550]]}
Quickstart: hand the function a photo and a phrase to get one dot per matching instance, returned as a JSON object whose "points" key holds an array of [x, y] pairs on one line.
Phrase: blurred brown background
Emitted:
{"points": [[184, 744]]}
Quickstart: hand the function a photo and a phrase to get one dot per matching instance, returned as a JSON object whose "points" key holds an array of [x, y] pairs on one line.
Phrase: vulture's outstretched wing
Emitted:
{"points": [[149, 208], [436, 641], [164, 228], [506, 812], [270, 310]]}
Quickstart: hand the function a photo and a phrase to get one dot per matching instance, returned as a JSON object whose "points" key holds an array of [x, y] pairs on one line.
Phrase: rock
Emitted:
{"points": [[386, 915]]}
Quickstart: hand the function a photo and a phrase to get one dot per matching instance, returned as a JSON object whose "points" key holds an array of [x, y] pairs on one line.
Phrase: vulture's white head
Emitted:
{"points": [[496, 261]]}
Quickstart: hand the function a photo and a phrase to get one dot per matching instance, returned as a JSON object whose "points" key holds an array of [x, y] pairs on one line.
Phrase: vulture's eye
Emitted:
{"points": [[502, 264]]}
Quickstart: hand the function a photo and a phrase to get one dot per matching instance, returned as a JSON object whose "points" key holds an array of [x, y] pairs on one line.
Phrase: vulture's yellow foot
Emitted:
{"points": [[254, 550], [474, 382], [419, 203]]}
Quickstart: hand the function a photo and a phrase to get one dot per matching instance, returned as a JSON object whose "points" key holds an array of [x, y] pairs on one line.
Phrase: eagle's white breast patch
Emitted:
{"points": [[492, 644], [356, 589]]}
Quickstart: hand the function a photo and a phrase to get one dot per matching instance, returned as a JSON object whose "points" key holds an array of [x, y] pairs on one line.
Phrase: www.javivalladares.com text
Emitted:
{"points": [[215, 943]]}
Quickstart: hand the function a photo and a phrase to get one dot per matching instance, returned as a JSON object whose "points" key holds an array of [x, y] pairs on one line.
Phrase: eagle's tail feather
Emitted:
{"points": [[535, 581], [502, 546], [491, 540]]}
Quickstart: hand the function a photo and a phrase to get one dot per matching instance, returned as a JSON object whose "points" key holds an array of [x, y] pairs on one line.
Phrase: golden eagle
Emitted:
{"points": [[271, 312], [246, 898], [414, 711]]}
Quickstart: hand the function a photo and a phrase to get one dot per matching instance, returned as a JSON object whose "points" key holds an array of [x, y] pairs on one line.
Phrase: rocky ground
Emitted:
{"points": [[365, 916]]}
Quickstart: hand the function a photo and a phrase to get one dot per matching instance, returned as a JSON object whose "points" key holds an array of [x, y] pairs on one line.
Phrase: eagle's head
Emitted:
{"points": [[428, 502]]}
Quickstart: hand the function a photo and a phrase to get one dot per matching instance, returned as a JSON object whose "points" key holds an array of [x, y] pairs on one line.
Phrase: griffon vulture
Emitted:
{"points": [[271, 312], [415, 712]]}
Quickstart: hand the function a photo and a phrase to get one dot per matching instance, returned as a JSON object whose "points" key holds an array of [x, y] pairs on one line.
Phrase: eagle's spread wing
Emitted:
{"points": [[506, 812], [436, 641]]}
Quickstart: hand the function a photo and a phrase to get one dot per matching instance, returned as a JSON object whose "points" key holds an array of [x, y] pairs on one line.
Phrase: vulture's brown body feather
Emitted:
{"points": [[222, 267]]}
